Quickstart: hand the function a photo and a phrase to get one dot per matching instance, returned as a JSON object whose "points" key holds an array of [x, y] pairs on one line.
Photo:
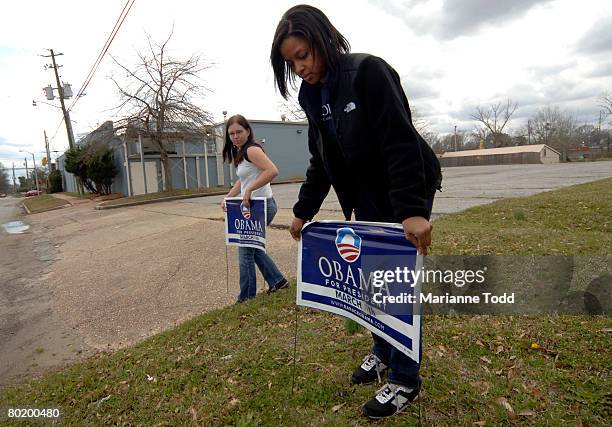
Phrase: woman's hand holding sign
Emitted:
{"points": [[246, 198], [418, 231]]}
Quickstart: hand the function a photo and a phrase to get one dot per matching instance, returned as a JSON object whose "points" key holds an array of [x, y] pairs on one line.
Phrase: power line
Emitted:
{"points": [[124, 12]]}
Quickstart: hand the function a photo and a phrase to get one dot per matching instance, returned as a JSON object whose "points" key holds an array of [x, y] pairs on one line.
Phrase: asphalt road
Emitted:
{"points": [[32, 337]]}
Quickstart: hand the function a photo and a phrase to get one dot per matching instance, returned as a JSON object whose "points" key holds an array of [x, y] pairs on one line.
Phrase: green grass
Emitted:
{"points": [[573, 221], [164, 194], [44, 202], [234, 366]]}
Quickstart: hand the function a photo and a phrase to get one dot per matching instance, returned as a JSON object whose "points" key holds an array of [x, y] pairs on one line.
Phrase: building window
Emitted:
{"points": [[210, 148]]}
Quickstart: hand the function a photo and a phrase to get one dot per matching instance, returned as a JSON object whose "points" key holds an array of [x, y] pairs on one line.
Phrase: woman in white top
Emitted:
{"points": [[255, 170]]}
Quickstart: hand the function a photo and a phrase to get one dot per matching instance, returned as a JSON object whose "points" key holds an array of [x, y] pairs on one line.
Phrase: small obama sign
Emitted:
{"points": [[364, 271], [246, 226]]}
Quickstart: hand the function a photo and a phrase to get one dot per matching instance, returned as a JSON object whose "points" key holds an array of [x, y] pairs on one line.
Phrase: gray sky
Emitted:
{"points": [[452, 55]]}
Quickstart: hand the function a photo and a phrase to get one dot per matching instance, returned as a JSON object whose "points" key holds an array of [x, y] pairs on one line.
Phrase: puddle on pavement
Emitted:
{"points": [[15, 227]]}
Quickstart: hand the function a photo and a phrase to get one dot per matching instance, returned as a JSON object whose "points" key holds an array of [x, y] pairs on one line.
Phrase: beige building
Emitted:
{"points": [[538, 154]]}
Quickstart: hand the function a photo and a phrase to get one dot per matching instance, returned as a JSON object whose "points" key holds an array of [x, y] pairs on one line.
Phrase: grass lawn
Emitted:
{"points": [[43, 203], [75, 194], [234, 366]]}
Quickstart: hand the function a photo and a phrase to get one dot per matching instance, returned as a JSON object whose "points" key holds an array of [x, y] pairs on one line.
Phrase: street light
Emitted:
{"points": [[35, 173], [35, 104]]}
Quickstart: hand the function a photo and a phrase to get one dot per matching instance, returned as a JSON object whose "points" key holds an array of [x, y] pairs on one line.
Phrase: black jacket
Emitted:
{"points": [[392, 172]]}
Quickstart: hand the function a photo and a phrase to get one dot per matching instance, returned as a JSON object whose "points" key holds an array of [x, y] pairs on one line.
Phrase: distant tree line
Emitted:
{"points": [[4, 180], [550, 125]]}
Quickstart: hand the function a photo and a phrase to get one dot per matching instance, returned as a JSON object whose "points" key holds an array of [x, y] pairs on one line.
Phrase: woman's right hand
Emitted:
{"points": [[296, 228]]}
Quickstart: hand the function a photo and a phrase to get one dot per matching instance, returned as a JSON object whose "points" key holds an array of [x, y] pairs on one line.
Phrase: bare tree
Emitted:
{"points": [[494, 119], [554, 127], [290, 108], [480, 135], [451, 142], [423, 127], [158, 100], [4, 180]]}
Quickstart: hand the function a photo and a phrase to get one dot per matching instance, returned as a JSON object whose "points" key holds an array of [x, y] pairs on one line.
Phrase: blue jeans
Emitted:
{"points": [[402, 369], [249, 257]]}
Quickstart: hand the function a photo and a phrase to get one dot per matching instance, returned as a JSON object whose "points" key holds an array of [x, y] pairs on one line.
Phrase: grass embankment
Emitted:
{"points": [[44, 202], [234, 366], [165, 194]]}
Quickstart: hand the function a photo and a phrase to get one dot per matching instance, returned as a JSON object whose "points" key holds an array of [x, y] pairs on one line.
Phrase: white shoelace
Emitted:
{"points": [[372, 361], [389, 392]]}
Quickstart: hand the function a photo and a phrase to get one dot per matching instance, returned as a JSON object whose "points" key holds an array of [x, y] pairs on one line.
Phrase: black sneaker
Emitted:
{"points": [[390, 400], [371, 369], [280, 285]]}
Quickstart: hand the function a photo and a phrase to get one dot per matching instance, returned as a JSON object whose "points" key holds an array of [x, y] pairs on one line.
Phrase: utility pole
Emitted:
{"points": [[27, 173], [529, 132], [48, 152], [60, 89], [35, 172], [599, 126], [67, 121], [35, 175], [14, 184], [455, 137]]}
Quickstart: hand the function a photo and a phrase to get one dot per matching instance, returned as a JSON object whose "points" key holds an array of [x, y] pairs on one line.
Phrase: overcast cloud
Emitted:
{"points": [[451, 55]]}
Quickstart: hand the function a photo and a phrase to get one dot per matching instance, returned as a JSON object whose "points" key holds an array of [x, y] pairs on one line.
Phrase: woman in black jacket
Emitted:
{"points": [[363, 143]]}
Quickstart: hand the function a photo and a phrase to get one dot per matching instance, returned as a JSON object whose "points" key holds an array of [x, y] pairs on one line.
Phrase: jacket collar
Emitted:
{"points": [[310, 95]]}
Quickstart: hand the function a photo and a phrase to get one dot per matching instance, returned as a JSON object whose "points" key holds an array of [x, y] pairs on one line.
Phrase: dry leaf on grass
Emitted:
{"points": [[536, 393], [526, 413], [486, 360], [337, 407], [503, 402]]}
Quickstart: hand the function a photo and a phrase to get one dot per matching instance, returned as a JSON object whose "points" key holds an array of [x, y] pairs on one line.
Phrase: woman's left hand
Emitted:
{"points": [[418, 231], [246, 199]]}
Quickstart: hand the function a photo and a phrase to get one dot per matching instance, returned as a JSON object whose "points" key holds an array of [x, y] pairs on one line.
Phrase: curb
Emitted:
{"points": [[187, 196], [23, 205], [163, 199]]}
